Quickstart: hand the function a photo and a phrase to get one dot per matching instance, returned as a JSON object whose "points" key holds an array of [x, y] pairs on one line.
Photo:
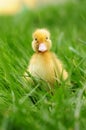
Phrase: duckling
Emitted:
{"points": [[44, 64]]}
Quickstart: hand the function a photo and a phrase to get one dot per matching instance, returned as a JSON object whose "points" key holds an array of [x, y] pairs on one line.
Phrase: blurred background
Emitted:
{"points": [[26, 107], [13, 6]]}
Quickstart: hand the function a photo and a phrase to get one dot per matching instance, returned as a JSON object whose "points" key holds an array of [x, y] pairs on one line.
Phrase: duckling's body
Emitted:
{"points": [[47, 67], [41, 66], [44, 64]]}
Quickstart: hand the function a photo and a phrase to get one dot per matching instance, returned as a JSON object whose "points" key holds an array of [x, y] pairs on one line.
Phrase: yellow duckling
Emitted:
{"points": [[44, 64]]}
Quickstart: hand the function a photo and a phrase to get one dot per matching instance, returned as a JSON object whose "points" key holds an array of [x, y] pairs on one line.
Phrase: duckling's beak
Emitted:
{"points": [[42, 47]]}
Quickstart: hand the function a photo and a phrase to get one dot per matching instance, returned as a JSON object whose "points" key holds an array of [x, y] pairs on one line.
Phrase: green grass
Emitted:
{"points": [[26, 107]]}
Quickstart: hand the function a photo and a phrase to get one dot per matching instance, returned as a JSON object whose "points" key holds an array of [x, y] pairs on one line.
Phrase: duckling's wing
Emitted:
{"points": [[60, 72]]}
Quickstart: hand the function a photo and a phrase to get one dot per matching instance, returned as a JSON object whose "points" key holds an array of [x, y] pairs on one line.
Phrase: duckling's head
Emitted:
{"points": [[41, 40]]}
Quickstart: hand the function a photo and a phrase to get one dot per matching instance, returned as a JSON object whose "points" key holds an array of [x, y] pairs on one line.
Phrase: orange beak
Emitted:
{"points": [[42, 47]]}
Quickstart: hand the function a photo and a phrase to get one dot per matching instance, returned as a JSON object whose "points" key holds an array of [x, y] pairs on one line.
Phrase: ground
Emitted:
{"points": [[30, 107]]}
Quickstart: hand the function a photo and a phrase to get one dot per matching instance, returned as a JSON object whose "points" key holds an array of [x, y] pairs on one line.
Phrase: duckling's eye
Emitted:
{"points": [[35, 39], [46, 38]]}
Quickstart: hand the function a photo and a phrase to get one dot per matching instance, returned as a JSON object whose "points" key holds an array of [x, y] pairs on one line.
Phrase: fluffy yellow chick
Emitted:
{"points": [[45, 64]]}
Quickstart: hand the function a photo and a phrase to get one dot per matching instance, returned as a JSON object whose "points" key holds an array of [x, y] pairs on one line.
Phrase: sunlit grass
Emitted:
{"points": [[31, 107]]}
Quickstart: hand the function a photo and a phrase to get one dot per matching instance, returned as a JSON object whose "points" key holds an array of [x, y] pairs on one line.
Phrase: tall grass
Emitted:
{"points": [[31, 107]]}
